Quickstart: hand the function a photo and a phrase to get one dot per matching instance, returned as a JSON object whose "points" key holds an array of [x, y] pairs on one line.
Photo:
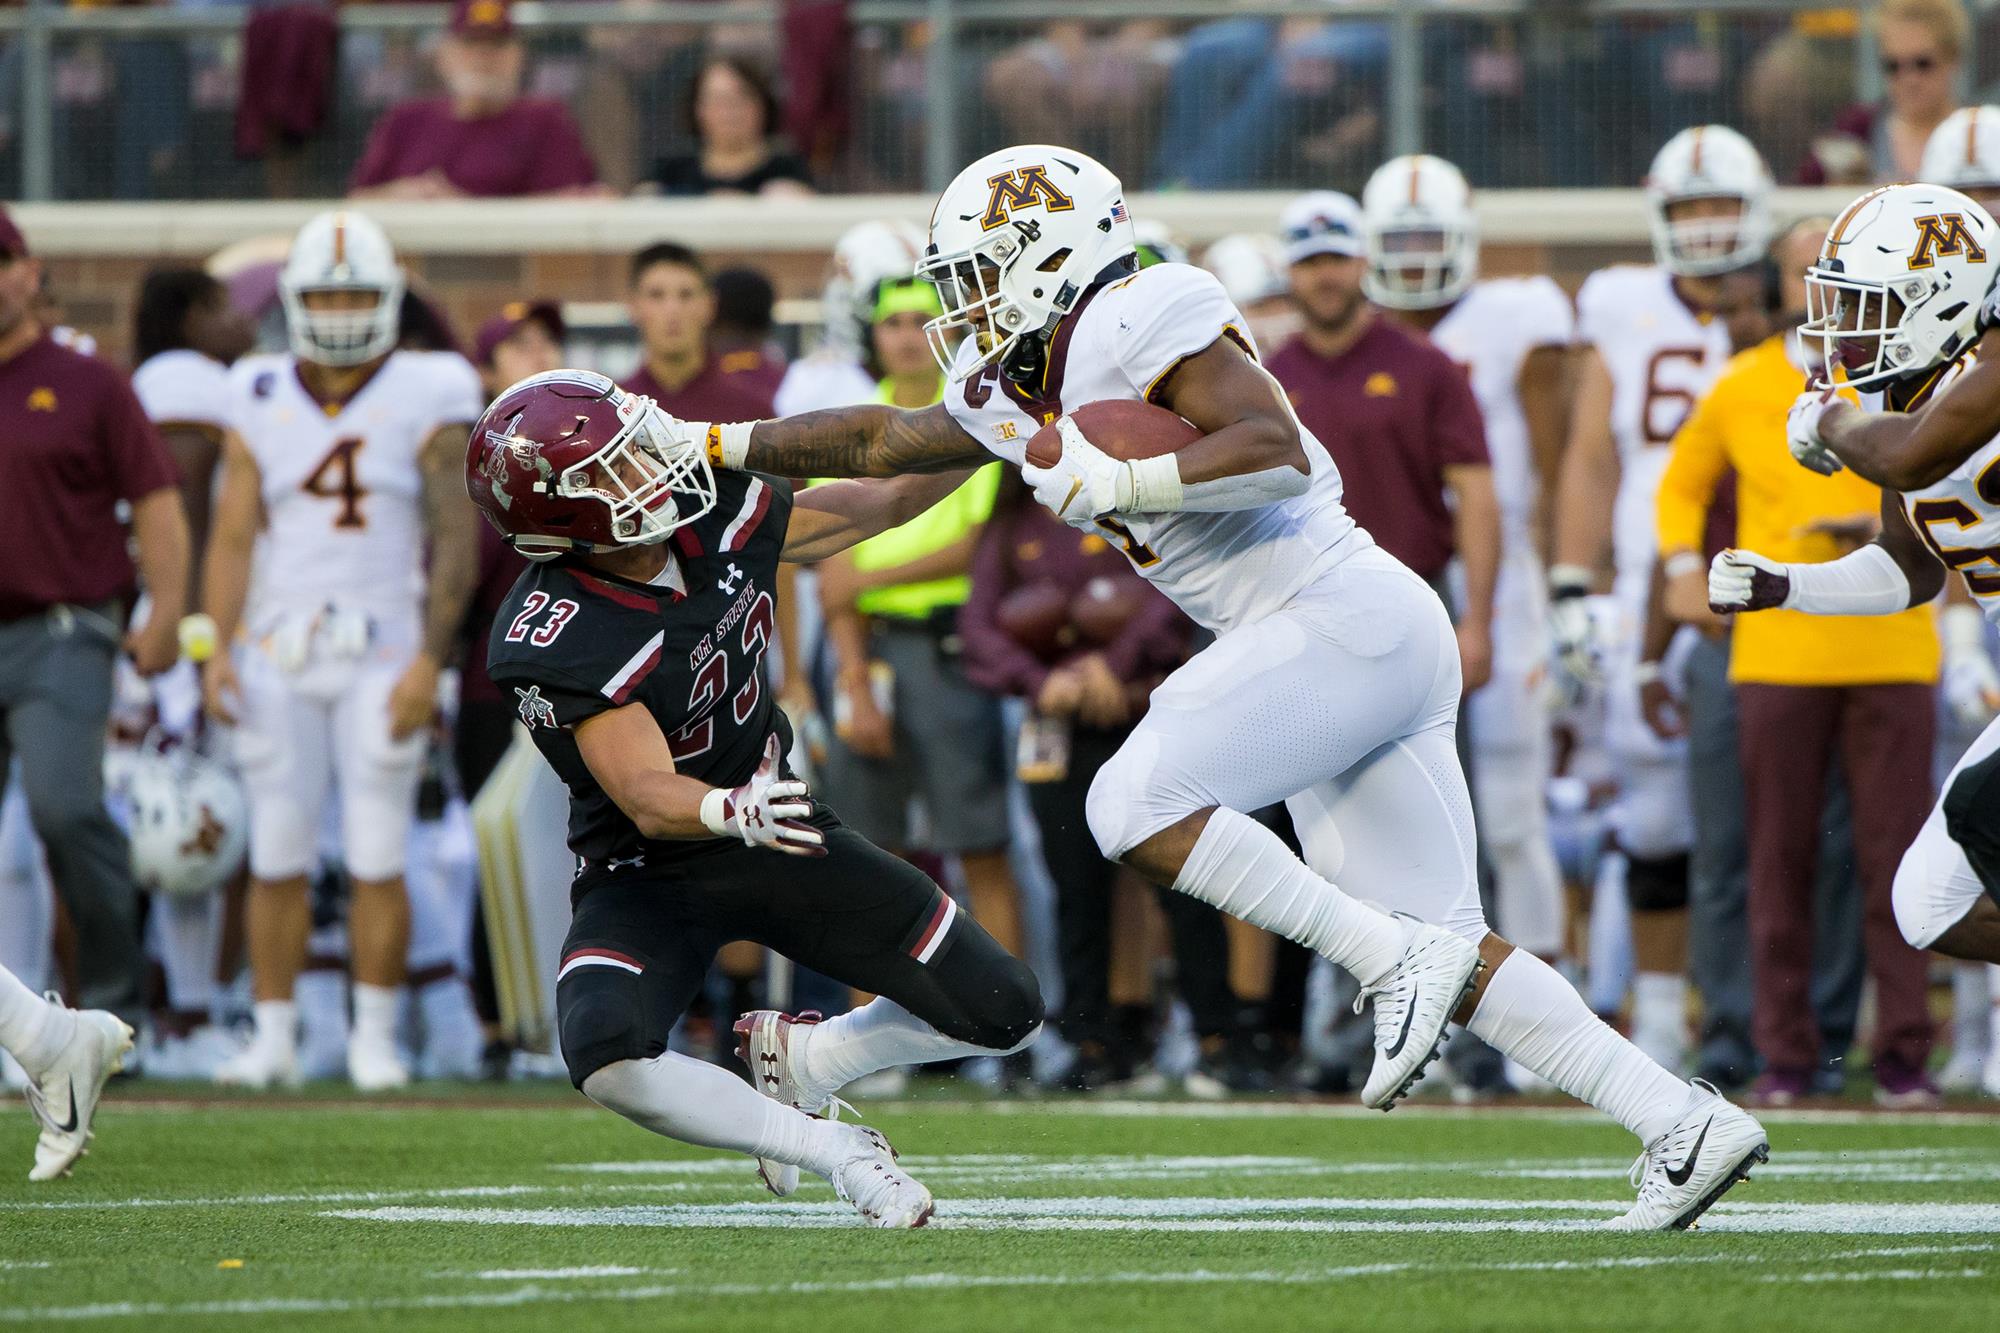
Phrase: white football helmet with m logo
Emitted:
{"points": [[1708, 162], [1423, 239], [1897, 286], [1015, 239]]}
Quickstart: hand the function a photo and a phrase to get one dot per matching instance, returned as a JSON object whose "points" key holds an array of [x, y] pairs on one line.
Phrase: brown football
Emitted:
{"points": [[1105, 606], [1036, 616], [1121, 427]]}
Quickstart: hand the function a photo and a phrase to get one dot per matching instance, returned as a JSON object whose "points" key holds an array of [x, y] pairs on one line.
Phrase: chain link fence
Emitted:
{"points": [[142, 103]]}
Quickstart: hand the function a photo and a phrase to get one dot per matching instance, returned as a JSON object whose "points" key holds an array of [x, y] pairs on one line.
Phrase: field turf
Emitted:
{"points": [[510, 1209]]}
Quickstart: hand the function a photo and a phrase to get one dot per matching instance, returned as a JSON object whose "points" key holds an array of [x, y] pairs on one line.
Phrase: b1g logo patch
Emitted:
{"points": [[1945, 234], [1022, 187], [535, 710]]}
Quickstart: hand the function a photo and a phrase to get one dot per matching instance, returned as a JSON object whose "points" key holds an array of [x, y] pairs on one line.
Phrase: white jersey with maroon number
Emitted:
{"points": [[183, 388], [342, 483], [1123, 339], [1662, 356], [1490, 331], [1958, 516]]}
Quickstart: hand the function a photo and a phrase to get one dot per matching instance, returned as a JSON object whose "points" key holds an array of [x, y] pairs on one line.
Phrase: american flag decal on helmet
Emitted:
{"points": [[1119, 213]]}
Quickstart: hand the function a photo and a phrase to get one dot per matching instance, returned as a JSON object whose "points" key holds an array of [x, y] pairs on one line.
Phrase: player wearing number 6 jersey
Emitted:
{"points": [[1332, 685], [340, 478], [635, 647]]}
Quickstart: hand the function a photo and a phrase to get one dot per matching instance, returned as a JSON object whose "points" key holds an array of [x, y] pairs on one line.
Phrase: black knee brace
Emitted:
{"points": [[1656, 884], [601, 1014], [1972, 818]]}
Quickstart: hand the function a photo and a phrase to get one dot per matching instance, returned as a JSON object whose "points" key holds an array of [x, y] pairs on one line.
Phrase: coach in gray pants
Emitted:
{"points": [[77, 446]]}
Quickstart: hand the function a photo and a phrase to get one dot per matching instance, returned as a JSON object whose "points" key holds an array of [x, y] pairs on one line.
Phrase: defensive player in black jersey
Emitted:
{"points": [[635, 646]]}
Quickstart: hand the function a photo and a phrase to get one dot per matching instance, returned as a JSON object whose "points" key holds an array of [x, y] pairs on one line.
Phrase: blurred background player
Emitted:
{"points": [[349, 451], [1653, 340], [1513, 336], [835, 373]]}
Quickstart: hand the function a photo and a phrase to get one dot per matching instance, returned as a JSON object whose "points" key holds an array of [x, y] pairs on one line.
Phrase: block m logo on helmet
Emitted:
{"points": [[1944, 234], [1021, 187]]}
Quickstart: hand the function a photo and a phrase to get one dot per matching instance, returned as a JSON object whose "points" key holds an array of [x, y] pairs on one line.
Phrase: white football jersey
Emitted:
{"points": [[1958, 516], [1662, 356], [341, 483], [1490, 331], [183, 388], [1223, 569]]}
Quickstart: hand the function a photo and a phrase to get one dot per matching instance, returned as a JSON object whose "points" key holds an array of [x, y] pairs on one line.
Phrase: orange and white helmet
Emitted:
{"points": [[341, 251], [1422, 236], [1964, 151], [1709, 162], [1897, 285], [1015, 240]]}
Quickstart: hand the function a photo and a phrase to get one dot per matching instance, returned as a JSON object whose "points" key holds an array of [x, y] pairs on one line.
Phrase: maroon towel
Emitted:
{"points": [[817, 53], [288, 59]]}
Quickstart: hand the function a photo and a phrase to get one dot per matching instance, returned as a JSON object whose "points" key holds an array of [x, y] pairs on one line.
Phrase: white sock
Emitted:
{"points": [[375, 1011], [277, 1023], [879, 1035], [695, 1102], [1246, 870], [1532, 1015], [187, 934], [32, 1030], [1659, 1005]]}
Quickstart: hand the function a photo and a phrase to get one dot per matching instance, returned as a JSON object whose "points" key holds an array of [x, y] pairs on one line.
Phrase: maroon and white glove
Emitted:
{"points": [[769, 810]]}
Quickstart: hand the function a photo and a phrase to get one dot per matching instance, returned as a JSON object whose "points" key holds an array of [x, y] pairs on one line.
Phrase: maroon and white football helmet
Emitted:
{"points": [[568, 461]]}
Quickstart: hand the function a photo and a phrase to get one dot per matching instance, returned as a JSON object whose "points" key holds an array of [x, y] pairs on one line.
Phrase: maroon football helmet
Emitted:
{"points": [[568, 461]]}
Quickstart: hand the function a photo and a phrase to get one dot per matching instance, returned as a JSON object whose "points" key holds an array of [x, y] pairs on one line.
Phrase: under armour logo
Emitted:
{"points": [[623, 863], [729, 581], [535, 710]]}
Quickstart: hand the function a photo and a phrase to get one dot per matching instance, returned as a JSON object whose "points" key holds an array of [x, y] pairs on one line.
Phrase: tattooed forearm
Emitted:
{"points": [[454, 534], [871, 440]]}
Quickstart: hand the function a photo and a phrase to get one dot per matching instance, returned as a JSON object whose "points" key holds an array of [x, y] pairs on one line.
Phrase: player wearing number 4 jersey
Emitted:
{"points": [[635, 648], [1896, 300], [1332, 685], [340, 476]]}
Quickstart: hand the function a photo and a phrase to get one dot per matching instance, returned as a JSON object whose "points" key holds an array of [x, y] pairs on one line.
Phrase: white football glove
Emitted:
{"points": [[1802, 430], [769, 810], [1082, 484], [1573, 645], [1971, 685], [1746, 581]]}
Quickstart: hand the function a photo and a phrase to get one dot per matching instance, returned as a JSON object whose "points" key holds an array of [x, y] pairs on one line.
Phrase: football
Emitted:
{"points": [[1121, 427], [1105, 606], [1036, 616]]}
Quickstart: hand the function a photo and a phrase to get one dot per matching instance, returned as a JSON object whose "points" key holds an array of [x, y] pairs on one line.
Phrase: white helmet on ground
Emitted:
{"points": [[1709, 162], [1897, 286], [1423, 239], [341, 251], [1964, 151], [189, 823], [1015, 239]]}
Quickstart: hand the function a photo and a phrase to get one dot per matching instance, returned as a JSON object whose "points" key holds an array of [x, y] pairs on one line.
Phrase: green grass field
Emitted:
{"points": [[511, 1209]]}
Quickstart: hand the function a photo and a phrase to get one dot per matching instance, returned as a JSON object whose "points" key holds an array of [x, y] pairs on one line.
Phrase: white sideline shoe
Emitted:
{"points": [[1413, 1003], [64, 1096], [1684, 1171], [374, 1064], [263, 1063], [881, 1191]]}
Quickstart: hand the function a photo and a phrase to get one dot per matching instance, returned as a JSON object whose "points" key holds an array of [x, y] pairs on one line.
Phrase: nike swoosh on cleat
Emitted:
{"points": [[1679, 1176], [1402, 1036], [70, 1128]]}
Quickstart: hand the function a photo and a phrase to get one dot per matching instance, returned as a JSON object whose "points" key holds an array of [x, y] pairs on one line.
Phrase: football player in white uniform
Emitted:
{"points": [[1512, 335], [1332, 684], [1964, 153], [835, 374], [346, 453], [1895, 297], [1654, 340]]}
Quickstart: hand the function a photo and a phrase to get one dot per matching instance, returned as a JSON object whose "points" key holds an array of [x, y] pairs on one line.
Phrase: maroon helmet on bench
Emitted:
{"points": [[568, 461]]}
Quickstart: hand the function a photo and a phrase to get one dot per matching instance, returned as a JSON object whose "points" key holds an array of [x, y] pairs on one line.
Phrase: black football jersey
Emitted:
{"points": [[570, 643]]}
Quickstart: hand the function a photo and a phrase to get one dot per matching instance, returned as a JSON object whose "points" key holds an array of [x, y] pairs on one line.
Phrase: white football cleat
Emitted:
{"points": [[374, 1064], [1686, 1169], [764, 1044], [881, 1191], [64, 1096], [263, 1063], [1413, 1003]]}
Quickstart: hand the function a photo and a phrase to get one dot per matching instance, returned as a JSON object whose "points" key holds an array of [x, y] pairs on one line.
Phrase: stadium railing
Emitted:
{"points": [[139, 103]]}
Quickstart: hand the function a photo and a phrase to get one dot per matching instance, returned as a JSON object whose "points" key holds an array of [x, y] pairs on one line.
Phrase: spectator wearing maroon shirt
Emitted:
{"points": [[78, 445], [672, 306], [482, 139], [1399, 418], [741, 336]]}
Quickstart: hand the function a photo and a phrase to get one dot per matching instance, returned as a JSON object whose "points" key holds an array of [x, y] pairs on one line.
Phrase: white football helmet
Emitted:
{"points": [[1015, 239], [1897, 286], [1250, 266], [1423, 239], [865, 255], [341, 251], [189, 823], [1709, 162], [1964, 151]]}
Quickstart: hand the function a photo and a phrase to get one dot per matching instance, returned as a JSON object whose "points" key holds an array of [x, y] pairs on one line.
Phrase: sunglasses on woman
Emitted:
{"points": [[1891, 66]]}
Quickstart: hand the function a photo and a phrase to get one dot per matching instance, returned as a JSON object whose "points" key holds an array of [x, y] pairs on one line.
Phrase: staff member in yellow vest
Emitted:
{"points": [[908, 727], [1804, 685]]}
